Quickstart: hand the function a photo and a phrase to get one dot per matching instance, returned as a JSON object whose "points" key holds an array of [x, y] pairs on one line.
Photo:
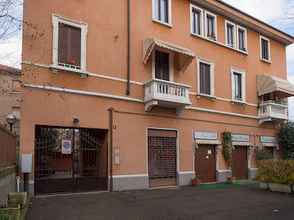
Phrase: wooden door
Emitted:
{"points": [[270, 151], [205, 163], [240, 162], [162, 157]]}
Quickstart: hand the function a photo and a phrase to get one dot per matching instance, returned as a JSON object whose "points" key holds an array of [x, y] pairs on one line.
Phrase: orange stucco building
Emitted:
{"points": [[138, 94]]}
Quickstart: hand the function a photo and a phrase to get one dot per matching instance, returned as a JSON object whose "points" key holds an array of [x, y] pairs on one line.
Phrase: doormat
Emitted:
{"points": [[237, 184]]}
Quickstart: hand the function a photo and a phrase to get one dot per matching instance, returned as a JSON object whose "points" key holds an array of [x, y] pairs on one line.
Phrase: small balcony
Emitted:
{"points": [[166, 94], [270, 111]]}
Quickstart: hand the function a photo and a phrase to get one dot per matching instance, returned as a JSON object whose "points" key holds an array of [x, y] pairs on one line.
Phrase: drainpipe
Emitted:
{"points": [[128, 90], [110, 156]]}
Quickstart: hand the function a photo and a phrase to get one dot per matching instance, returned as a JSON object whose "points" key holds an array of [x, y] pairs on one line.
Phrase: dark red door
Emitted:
{"points": [[205, 163], [240, 162]]}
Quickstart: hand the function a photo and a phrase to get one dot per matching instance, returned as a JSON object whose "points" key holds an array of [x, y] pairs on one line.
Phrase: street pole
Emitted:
{"points": [[10, 127]]}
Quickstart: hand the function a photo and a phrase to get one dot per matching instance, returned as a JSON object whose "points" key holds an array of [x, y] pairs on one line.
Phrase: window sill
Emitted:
{"points": [[238, 102], [169, 25], [219, 43], [266, 61], [62, 68], [211, 97]]}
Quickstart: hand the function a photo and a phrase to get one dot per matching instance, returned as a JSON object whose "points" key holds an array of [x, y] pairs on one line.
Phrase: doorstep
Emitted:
{"points": [[166, 182]]}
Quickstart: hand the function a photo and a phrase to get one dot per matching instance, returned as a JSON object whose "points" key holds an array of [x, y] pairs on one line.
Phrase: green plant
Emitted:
{"points": [[286, 140], [276, 171], [263, 155], [227, 147]]}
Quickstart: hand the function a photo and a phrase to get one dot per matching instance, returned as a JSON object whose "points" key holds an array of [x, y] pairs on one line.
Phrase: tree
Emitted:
{"points": [[10, 18], [286, 140]]}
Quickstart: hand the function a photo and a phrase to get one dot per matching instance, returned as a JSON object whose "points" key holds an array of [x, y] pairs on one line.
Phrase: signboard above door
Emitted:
{"points": [[268, 139], [200, 135], [240, 138]]}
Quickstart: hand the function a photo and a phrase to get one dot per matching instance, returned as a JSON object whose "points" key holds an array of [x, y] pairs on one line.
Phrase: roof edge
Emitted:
{"points": [[251, 22], [258, 20]]}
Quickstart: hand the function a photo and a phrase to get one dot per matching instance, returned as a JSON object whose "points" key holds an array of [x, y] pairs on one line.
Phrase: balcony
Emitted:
{"points": [[270, 111], [166, 94]]}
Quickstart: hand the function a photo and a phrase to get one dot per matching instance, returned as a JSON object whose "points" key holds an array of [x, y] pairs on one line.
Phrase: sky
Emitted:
{"points": [[274, 12]]}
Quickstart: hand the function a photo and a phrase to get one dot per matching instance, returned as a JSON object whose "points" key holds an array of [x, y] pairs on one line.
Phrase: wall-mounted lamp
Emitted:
{"points": [[11, 120], [76, 121]]}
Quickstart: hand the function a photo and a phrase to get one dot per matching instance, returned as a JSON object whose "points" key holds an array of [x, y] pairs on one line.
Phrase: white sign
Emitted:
{"points": [[240, 138], [205, 135], [26, 163], [66, 147], [268, 139]]}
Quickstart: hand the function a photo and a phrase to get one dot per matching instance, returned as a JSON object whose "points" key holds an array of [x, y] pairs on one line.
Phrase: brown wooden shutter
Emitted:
{"points": [[69, 45], [62, 44], [75, 54], [205, 78]]}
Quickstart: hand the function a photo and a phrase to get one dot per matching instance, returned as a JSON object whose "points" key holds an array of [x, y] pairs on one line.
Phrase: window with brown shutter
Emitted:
{"points": [[205, 78], [69, 46]]}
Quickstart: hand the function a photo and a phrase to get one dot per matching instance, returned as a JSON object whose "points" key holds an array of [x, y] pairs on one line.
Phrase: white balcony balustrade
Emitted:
{"points": [[269, 111], [166, 94]]}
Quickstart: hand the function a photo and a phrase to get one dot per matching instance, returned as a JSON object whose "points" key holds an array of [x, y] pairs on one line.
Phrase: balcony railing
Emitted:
{"points": [[270, 110], [166, 94]]}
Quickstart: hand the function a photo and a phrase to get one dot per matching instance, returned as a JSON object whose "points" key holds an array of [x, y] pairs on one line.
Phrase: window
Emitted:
{"points": [[162, 65], [211, 25], [236, 36], [238, 86], [265, 49], [242, 38], [230, 34], [205, 78], [196, 20], [162, 11], [69, 44]]}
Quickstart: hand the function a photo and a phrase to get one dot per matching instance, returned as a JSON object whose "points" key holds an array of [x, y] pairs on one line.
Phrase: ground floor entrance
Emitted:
{"points": [[270, 151], [240, 162], [162, 157], [205, 163], [70, 160]]}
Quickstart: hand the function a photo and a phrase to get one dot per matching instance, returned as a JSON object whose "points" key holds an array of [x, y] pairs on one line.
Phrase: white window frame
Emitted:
{"points": [[192, 6], [154, 18], [269, 48], [84, 30], [215, 24], [171, 64], [243, 75], [245, 38], [212, 90], [234, 33]]}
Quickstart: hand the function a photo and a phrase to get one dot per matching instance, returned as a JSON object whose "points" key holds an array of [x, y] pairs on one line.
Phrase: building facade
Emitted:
{"points": [[141, 94], [10, 96]]}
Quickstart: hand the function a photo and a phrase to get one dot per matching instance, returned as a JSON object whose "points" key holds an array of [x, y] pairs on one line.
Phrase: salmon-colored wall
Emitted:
{"points": [[106, 54], [106, 49]]}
